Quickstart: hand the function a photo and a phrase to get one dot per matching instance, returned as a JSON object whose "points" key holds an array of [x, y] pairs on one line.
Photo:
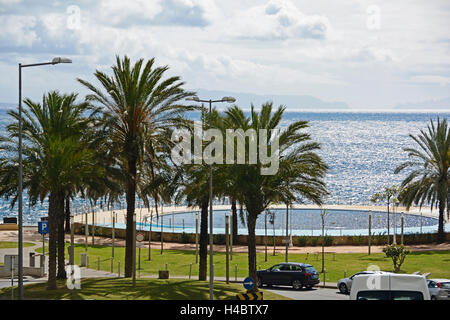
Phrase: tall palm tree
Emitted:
{"points": [[60, 145], [300, 174], [428, 180], [196, 191], [139, 105]]}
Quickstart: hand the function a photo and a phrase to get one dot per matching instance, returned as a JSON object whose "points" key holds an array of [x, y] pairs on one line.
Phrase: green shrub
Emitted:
{"points": [[397, 253], [185, 237], [328, 241], [357, 240], [220, 238], [302, 241], [314, 241]]}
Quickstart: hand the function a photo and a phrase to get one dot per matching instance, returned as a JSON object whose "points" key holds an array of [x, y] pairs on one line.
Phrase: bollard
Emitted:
{"points": [[345, 274], [83, 260], [118, 268], [42, 264], [190, 270], [324, 277], [166, 266], [112, 265], [235, 272], [31, 259]]}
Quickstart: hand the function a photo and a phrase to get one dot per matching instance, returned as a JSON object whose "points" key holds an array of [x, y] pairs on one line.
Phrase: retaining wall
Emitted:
{"points": [[409, 239]]}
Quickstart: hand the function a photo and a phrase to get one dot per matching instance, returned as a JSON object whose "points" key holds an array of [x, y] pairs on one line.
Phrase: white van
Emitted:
{"points": [[389, 286]]}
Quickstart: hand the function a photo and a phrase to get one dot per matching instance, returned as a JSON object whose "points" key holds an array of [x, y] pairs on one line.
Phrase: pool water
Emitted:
{"points": [[303, 222]]}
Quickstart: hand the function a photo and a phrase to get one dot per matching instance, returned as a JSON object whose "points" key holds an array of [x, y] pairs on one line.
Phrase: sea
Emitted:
{"points": [[362, 150]]}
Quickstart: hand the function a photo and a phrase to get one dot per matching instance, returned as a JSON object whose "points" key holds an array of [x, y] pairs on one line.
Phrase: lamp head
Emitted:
{"points": [[228, 99], [61, 60], [193, 98]]}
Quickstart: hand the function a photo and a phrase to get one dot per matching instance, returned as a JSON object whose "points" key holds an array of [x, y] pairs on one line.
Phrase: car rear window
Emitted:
{"points": [[445, 285], [389, 295], [310, 269]]}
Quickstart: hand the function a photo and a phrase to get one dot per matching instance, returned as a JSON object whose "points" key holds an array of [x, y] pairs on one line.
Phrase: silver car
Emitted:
{"points": [[344, 285], [439, 289]]}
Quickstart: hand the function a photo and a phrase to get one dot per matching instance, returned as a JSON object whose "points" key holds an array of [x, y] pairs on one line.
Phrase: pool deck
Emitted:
{"points": [[105, 217]]}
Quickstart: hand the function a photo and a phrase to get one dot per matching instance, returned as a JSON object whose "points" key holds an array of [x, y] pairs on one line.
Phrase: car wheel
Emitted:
{"points": [[309, 287], [343, 288], [297, 285]]}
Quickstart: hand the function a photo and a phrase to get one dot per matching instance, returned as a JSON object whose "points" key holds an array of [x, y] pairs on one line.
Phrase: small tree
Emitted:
{"points": [[323, 214], [386, 195], [397, 253]]}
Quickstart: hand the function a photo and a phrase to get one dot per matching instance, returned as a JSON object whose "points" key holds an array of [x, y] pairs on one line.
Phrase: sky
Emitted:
{"points": [[368, 54]]}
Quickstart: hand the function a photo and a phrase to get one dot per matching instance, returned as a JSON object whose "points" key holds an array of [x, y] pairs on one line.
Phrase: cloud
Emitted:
{"points": [[9, 2], [17, 30], [431, 79], [278, 20], [195, 13]]}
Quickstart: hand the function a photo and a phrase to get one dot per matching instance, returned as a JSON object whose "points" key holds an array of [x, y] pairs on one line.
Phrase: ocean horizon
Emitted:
{"points": [[362, 150]]}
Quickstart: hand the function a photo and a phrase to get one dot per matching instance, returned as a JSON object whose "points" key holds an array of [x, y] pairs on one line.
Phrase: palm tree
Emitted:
{"points": [[195, 190], [60, 145], [428, 180], [139, 105], [299, 175]]}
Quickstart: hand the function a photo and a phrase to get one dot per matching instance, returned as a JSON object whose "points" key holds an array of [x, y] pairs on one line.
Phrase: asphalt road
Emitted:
{"points": [[313, 294]]}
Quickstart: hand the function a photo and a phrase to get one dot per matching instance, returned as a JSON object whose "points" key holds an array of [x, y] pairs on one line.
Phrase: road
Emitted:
{"points": [[313, 294]]}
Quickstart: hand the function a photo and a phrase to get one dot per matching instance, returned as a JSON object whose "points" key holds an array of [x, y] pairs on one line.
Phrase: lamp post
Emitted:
{"points": [[56, 60], [211, 239]]}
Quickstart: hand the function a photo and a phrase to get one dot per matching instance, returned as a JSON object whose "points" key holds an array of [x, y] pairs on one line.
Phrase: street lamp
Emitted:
{"points": [[56, 60], [211, 239]]}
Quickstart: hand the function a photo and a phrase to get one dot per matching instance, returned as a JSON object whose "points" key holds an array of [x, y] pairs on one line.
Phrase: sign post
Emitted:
{"points": [[113, 232], [43, 229], [227, 243], [139, 238]]}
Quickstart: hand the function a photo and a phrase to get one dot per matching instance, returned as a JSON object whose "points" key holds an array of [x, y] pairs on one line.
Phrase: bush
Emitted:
{"points": [[314, 241], [357, 240], [302, 241], [185, 237], [220, 238], [328, 241], [397, 253]]}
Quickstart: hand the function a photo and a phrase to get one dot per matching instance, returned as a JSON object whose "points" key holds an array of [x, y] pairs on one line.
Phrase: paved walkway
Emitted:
{"points": [[102, 217]]}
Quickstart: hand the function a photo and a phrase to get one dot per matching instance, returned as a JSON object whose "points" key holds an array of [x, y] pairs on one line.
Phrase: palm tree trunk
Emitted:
{"points": [[131, 200], [251, 224], [67, 229], [441, 233], [203, 241], [53, 230], [61, 273], [235, 220]]}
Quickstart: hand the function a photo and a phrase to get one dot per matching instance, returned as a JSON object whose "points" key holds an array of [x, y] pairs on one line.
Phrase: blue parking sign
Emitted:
{"points": [[43, 227]]}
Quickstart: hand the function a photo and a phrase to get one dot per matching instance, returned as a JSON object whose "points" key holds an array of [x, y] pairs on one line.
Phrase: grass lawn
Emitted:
{"points": [[13, 244], [436, 262], [146, 289]]}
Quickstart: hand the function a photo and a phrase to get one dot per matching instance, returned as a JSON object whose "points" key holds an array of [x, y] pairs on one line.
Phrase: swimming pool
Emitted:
{"points": [[302, 222]]}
